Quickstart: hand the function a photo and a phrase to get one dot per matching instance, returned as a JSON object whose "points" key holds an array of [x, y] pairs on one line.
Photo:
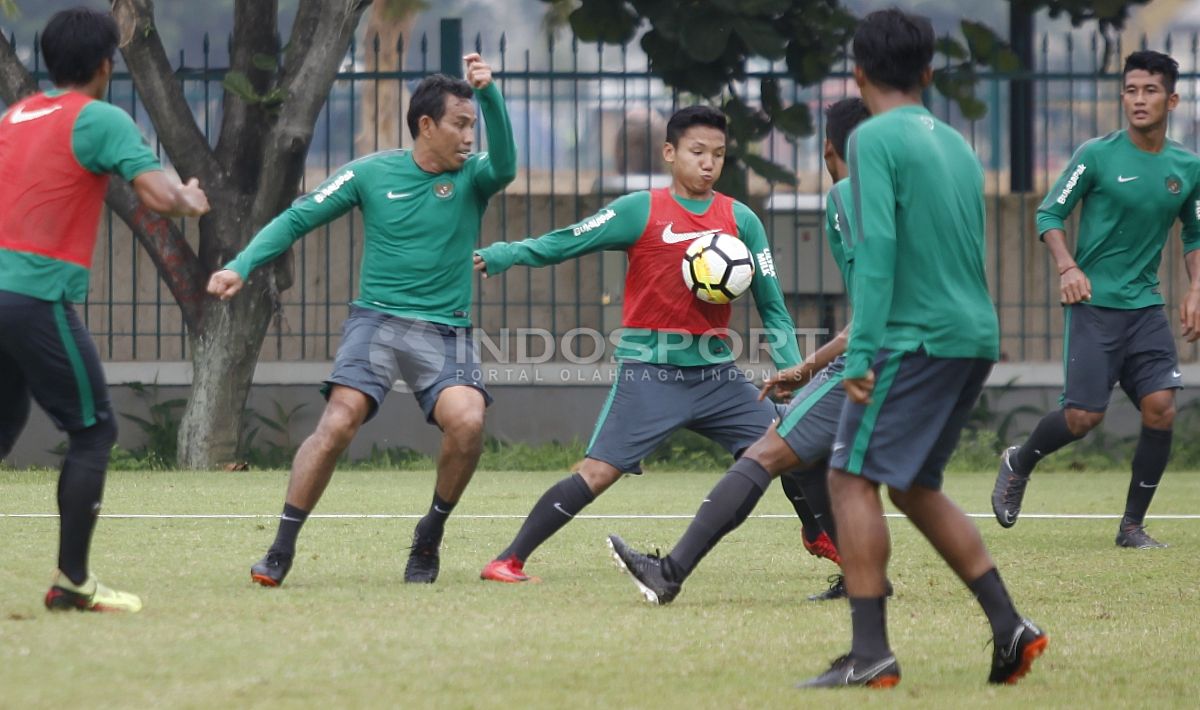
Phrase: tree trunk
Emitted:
{"points": [[389, 28], [224, 352]]}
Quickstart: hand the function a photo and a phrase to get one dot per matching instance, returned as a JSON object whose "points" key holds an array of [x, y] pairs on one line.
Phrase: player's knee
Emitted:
{"points": [[465, 423], [1080, 421], [598, 475], [1159, 417], [338, 426], [93, 445]]}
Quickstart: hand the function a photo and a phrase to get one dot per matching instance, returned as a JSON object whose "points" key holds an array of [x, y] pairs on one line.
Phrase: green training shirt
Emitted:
{"points": [[837, 230], [419, 227], [617, 227], [1130, 200], [104, 140], [918, 277]]}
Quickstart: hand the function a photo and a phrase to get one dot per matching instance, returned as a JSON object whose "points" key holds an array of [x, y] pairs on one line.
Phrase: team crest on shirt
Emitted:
{"points": [[1174, 185], [443, 190]]}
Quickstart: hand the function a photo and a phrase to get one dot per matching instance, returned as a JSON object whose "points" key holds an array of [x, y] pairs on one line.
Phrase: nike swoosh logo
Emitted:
{"points": [[1176, 373], [20, 115], [398, 195], [559, 508], [443, 512], [838, 446], [675, 237], [291, 519], [1121, 178], [1008, 518], [856, 677], [1143, 485]]}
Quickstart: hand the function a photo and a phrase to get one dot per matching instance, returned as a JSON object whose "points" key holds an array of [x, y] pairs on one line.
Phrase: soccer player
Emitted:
{"points": [[675, 370], [421, 211], [57, 150], [802, 438], [923, 339], [1133, 184]]}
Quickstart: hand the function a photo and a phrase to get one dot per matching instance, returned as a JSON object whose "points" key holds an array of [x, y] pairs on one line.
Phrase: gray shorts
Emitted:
{"points": [[648, 402], [379, 349], [905, 436], [1104, 346], [810, 422]]}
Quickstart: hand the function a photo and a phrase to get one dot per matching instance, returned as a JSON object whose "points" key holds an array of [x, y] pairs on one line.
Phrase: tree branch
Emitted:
{"points": [[245, 123], [172, 255], [162, 95]]}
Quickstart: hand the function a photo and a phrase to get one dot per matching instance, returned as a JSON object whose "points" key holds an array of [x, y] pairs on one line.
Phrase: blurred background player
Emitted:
{"points": [[1133, 183], [421, 213], [803, 437], [673, 373], [923, 339], [57, 150]]}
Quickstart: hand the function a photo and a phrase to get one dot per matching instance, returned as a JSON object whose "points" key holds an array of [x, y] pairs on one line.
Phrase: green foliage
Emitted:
{"points": [[160, 427], [10, 9]]}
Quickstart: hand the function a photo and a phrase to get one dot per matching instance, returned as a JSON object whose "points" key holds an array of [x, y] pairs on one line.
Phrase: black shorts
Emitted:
{"points": [[379, 349], [46, 353], [648, 402], [905, 436], [1104, 346]]}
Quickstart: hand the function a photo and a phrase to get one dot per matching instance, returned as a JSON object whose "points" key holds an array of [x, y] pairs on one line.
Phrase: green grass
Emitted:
{"points": [[345, 632]]}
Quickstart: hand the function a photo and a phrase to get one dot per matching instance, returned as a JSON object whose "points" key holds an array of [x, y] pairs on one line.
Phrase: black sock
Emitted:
{"points": [[1050, 435], [554, 509], [289, 527], [814, 482], [868, 622], [790, 484], [989, 590], [431, 527], [80, 489], [1149, 462], [725, 507]]}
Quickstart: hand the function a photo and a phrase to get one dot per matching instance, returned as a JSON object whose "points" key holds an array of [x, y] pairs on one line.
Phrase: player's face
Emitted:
{"points": [[1145, 99], [697, 161], [450, 139]]}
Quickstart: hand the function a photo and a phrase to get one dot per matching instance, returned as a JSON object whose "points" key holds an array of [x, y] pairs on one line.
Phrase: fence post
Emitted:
{"points": [[452, 47], [1020, 116]]}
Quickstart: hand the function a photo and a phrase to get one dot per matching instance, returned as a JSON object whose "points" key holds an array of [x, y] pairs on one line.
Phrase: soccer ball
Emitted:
{"points": [[717, 268]]}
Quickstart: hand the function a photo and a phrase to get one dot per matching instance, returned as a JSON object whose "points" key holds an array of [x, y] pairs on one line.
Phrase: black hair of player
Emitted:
{"points": [[841, 118], [685, 118], [1154, 63], [894, 47], [429, 99], [76, 42]]}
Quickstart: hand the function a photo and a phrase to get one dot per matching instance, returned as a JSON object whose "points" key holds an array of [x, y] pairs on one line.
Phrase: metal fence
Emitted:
{"points": [[589, 121]]}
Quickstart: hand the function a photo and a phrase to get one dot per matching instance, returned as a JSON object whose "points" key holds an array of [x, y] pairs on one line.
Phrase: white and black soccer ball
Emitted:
{"points": [[717, 268]]}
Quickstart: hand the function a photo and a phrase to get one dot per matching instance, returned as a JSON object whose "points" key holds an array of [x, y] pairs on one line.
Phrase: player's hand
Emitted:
{"points": [[481, 265], [195, 202], [1074, 286], [1189, 315], [225, 284], [859, 389], [785, 382], [479, 73]]}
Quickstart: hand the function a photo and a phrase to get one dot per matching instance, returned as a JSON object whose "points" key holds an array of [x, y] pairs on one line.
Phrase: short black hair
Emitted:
{"points": [[894, 47], [76, 42], [685, 118], [841, 118], [1154, 63], [429, 99]]}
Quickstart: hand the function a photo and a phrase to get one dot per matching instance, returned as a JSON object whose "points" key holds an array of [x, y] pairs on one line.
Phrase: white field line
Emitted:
{"points": [[499, 516]]}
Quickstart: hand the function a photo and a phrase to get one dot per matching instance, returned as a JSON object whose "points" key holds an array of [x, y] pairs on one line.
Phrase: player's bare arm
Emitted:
{"points": [[795, 377], [1074, 286], [1189, 310], [167, 196], [479, 72]]}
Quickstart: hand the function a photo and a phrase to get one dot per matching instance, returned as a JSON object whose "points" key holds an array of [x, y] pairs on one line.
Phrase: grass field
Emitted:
{"points": [[344, 631]]}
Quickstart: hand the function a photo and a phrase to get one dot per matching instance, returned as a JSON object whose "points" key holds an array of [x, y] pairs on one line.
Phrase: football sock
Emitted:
{"points": [[989, 590], [725, 507], [790, 484], [554, 509], [1050, 435], [1149, 462], [80, 488], [290, 523], [434, 523], [868, 622], [815, 484]]}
